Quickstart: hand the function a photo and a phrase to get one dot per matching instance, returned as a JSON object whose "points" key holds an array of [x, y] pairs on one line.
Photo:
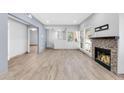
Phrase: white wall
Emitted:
{"points": [[33, 37], [99, 19], [64, 44], [17, 38], [41, 30], [51, 36], [53, 42], [3, 42], [121, 44]]}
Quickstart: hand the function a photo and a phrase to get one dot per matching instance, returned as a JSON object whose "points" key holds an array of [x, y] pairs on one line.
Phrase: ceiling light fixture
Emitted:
{"points": [[34, 29], [47, 21], [29, 15], [75, 21]]}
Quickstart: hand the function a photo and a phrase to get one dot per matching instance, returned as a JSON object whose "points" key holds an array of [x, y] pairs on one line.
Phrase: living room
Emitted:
{"points": [[65, 46], [98, 36]]}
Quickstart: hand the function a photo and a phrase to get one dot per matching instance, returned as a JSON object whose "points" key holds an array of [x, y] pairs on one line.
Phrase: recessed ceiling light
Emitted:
{"points": [[29, 15], [34, 29], [47, 21], [75, 21]]}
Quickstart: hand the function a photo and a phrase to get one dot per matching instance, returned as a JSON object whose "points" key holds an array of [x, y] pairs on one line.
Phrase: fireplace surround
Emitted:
{"points": [[111, 45]]}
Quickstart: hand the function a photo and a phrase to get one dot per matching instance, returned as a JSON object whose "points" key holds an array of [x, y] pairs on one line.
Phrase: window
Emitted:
{"points": [[73, 36], [70, 36]]}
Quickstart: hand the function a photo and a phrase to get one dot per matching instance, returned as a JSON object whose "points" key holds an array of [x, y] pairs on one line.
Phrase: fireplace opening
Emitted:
{"points": [[103, 57]]}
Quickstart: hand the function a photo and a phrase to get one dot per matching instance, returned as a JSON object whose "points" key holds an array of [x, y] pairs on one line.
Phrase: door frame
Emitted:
{"points": [[29, 29]]}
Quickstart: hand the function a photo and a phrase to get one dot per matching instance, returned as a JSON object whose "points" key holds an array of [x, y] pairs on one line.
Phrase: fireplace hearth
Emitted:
{"points": [[103, 57]]}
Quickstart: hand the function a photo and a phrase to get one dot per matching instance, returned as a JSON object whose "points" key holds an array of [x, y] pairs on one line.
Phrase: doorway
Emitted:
{"points": [[33, 40]]}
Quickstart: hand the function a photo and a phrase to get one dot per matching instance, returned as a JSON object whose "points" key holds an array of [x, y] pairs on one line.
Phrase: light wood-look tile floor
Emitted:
{"points": [[57, 65]]}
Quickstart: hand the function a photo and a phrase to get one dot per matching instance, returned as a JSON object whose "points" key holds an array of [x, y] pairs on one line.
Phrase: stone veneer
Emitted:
{"points": [[107, 43]]}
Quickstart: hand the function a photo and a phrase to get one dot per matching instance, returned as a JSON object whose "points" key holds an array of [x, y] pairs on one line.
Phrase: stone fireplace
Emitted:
{"points": [[105, 52]]}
